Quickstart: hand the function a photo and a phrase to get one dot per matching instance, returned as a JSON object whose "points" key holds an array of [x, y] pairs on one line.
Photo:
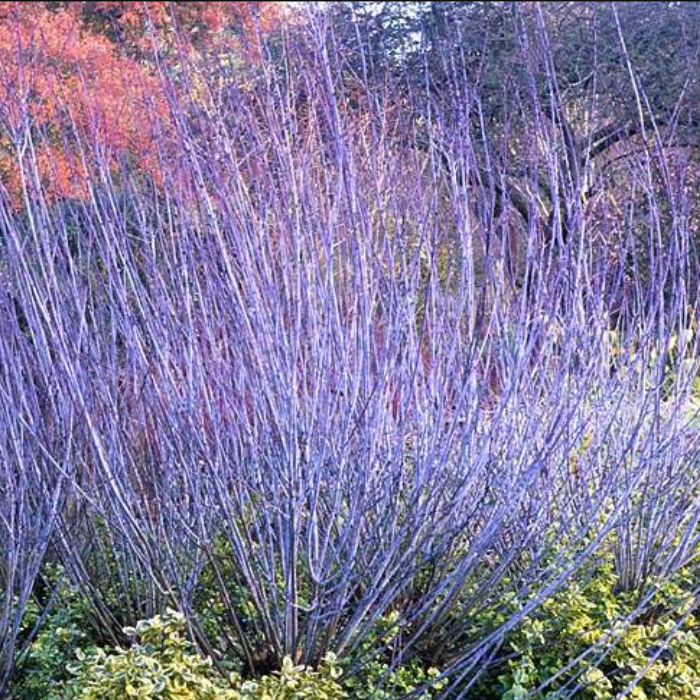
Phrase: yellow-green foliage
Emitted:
{"points": [[65, 629], [297, 683], [593, 613], [162, 665], [375, 682]]}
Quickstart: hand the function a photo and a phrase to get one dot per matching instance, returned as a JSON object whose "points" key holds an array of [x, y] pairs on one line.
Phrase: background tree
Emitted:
{"points": [[602, 85]]}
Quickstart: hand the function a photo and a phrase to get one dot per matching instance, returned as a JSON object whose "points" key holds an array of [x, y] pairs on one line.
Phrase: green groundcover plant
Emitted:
{"points": [[592, 640], [162, 664], [65, 662], [65, 632]]}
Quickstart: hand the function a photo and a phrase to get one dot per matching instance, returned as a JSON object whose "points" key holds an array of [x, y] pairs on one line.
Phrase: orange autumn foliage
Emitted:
{"points": [[79, 89], [138, 24]]}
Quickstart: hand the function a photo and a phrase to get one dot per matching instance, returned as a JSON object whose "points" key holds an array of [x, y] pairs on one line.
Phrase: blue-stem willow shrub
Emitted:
{"points": [[342, 364], [33, 486]]}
